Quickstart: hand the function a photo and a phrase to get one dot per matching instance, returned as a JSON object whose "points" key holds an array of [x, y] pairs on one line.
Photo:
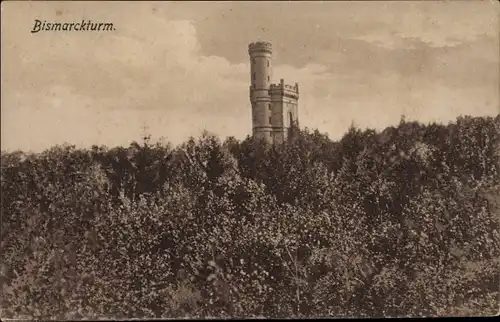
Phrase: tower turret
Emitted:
{"points": [[260, 80], [284, 99]]}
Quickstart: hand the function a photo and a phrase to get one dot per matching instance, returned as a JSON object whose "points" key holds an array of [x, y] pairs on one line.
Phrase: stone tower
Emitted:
{"points": [[274, 106]]}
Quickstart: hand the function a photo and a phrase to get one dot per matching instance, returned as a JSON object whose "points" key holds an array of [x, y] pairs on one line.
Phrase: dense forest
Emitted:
{"points": [[402, 222]]}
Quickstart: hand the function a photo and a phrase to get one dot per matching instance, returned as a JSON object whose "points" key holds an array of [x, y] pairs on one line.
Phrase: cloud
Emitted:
{"points": [[105, 89], [428, 23], [156, 72]]}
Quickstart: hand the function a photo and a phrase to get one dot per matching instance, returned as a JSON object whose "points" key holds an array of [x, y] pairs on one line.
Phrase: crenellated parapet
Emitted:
{"points": [[260, 46], [283, 89]]}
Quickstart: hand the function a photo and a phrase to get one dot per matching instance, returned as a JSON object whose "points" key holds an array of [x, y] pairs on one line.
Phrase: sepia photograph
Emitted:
{"points": [[249, 159]]}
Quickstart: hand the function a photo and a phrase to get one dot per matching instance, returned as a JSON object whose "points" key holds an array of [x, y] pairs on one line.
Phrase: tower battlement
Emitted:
{"points": [[284, 89], [260, 46]]}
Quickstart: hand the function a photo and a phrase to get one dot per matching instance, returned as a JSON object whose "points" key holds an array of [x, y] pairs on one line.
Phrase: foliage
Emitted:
{"points": [[404, 222]]}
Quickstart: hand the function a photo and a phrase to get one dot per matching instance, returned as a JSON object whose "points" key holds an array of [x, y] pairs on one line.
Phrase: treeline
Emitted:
{"points": [[399, 223]]}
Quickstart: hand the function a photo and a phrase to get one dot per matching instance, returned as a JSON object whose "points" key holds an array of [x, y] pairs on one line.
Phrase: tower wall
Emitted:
{"points": [[284, 99], [260, 80]]}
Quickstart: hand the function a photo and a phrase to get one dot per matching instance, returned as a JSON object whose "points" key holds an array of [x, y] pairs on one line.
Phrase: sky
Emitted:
{"points": [[175, 69]]}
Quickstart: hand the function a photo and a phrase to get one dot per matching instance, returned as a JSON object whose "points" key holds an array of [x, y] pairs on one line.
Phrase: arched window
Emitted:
{"points": [[268, 63], [290, 119]]}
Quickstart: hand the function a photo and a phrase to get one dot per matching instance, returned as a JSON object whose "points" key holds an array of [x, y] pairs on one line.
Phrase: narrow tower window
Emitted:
{"points": [[268, 78], [269, 106], [254, 76], [290, 119], [268, 63], [270, 120]]}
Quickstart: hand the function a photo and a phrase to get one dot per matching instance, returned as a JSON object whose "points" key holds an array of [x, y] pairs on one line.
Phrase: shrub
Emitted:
{"points": [[399, 223]]}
